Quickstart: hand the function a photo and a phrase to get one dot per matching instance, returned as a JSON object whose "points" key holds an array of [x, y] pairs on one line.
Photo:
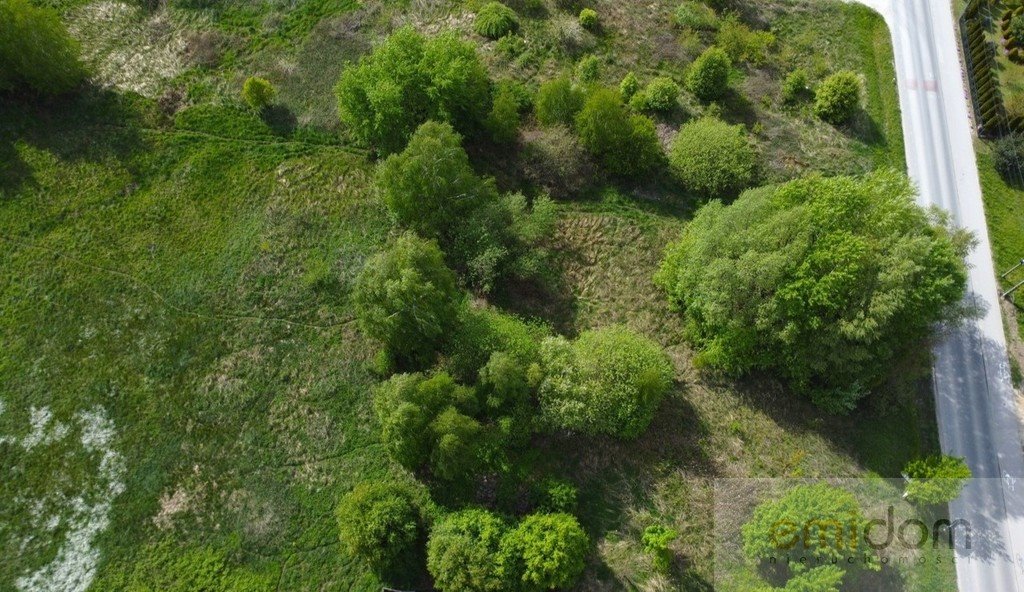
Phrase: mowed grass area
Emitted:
{"points": [[184, 268]]}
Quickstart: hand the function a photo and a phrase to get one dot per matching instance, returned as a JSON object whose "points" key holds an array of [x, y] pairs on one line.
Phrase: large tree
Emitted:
{"points": [[822, 280], [36, 50], [464, 553]]}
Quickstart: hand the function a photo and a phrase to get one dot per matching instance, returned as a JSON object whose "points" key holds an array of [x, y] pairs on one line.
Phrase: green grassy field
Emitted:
{"points": [[177, 272]]}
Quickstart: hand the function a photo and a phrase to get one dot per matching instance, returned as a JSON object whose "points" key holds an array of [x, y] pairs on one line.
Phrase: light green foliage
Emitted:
{"points": [[258, 92], [494, 20], [546, 551], [406, 298], [36, 50], [796, 87], [712, 158], [824, 281], [743, 44], [588, 69], [463, 553], [936, 479], [558, 101], [827, 578], [656, 540], [803, 523], [482, 332], [379, 522], [696, 15], [629, 86], [408, 80], [608, 381], [708, 77], [504, 118], [458, 445], [625, 143], [167, 567], [837, 98], [589, 19], [661, 94]]}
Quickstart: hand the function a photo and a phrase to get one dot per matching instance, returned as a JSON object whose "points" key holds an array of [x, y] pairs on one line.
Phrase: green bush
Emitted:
{"points": [[741, 43], [546, 551], [504, 118], [627, 145], [1016, 29], [558, 101], [936, 479], [656, 540], [481, 332], [796, 87], [408, 80], [36, 50], [494, 20], [661, 94], [406, 297], [558, 495], [257, 92], [691, 14], [837, 98], [629, 86], [712, 158], [380, 523], [464, 553], [608, 381], [1008, 158], [822, 281], [588, 19], [588, 69], [458, 445], [708, 78]]}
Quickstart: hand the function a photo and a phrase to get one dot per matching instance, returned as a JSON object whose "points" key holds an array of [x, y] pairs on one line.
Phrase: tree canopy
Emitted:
{"points": [[379, 522], [936, 479], [36, 50], [823, 280], [464, 553], [546, 551], [625, 143], [708, 77]]}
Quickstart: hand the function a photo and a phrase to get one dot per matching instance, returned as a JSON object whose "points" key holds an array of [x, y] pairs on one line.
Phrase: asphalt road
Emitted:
{"points": [[977, 415]]}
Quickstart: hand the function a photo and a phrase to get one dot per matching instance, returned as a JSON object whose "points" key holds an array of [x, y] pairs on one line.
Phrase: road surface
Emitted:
{"points": [[977, 415]]}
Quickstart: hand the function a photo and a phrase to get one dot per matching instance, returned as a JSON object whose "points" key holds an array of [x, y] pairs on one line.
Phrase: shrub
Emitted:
{"points": [[36, 50], [936, 479], [546, 551], [1008, 157], [1016, 29], [481, 332], [588, 19], [629, 86], [656, 540], [257, 92], [510, 46], [406, 298], [708, 77], [558, 101], [504, 118], [554, 159], [458, 440], [463, 553], [741, 43], [494, 20], [379, 523], [661, 94], [695, 15], [608, 381], [558, 495], [588, 69], [408, 80], [822, 281], [796, 87], [837, 98], [627, 145], [712, 158]]}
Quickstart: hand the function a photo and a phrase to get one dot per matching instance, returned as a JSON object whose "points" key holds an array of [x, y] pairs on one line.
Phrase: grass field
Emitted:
{"points": [[183, 395]]}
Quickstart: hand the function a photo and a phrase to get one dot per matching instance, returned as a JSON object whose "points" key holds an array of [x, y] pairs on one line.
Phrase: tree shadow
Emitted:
{"points": [[863, 128], [280, 119]]}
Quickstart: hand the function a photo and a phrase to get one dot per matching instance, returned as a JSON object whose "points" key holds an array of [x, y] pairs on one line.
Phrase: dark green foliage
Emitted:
{"points": [[796, 87], [482, 332], [661, 94], [36, 50], [495, 20], [407, 298], [608, 381], [656, 540], [626, 144], [463, 554], [589, 19], [588, 69], [708, 77], [1008, 158], [824, 281], [558, 495], [554, 159], [546, 551], [408, 80], [837, 98], [504, 118], [712, 158], [1016, 28], [257, 92], [936, 479], [558, 101], [379, 522]]}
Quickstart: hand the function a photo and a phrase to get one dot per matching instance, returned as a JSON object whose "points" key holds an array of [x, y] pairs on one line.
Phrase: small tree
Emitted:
{"points": [[589, 19], [36, 50], [712, 158], [407, 298], [545, 551], [258, 92], [609, 381], [629, 86], [708, 77], [626, 144], [936, 479], [656, 540], [494, 20], [796, 87], [463, 553], [588, 69], [837, 98], [379, 523], [661, 94], [504, 118], [558, 101]]}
